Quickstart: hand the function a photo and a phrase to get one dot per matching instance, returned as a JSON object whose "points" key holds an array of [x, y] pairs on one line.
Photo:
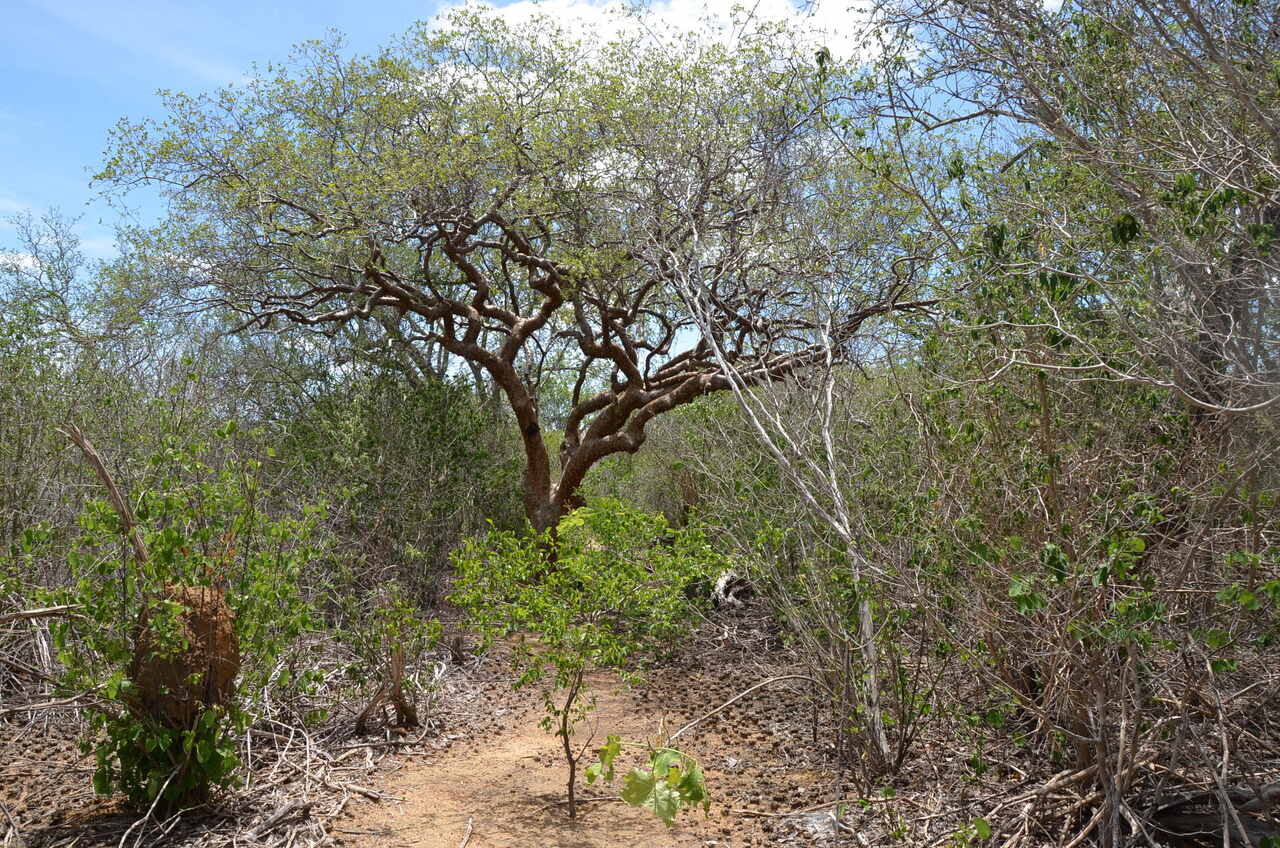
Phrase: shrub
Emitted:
{"points": [[387, 637], [408, 472], [201, 526], [607, 590]]}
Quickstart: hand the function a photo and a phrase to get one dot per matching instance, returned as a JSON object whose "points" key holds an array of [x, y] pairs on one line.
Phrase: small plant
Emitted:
{"points": [[388, 637], [974, 833], [673, 780], [606, 590]]}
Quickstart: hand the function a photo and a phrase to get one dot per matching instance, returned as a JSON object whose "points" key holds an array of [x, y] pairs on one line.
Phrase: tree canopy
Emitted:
{"points": [[516, 201]]}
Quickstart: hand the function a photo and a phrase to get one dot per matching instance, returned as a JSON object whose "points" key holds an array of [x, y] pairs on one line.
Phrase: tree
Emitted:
{"points": [[515, 199], [1172, 109], [801, 420]]}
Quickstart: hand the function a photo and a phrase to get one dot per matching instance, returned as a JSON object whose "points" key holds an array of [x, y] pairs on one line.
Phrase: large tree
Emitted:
{"points": [[515, 198]]}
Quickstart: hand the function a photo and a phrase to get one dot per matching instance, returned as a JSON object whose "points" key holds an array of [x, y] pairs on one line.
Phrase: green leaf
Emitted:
{"points": [[981, 829], [665, 802], [1055, 561], [1124, 229], [637, 787], [102, 781], [1024, 596], [607, 753], [691, 787]]}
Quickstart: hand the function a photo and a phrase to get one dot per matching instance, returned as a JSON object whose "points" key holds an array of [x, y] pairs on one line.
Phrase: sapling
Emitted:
{"points": [[605, 591], [672, 781]]}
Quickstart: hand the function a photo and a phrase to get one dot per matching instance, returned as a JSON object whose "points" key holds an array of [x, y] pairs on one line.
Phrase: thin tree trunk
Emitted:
{"points": [[871, 703]]}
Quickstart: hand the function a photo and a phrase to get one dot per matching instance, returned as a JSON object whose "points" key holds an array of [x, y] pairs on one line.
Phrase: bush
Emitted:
{"points": [[607, 590], [408, 472], [201, 527], [387, 638]]}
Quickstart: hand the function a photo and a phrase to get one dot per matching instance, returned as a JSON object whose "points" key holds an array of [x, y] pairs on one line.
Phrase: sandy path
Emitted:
{"points": [[503, 789]]}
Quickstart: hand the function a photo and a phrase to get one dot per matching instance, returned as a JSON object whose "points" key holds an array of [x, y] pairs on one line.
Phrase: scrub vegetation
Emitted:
{"points": [[907, 421]]}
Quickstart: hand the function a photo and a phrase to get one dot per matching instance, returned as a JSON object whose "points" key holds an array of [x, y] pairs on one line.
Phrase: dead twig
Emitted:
{"points": [[738, 696], [128, 524], [823, 806], [42, 612], [297, 808]]}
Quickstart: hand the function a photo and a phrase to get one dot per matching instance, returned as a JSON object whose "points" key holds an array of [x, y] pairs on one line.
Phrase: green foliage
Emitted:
{"points": [[386, 635], [150, 763], [202, 525], [408, 471], [608, 589], [673, 780], [973, 833]]}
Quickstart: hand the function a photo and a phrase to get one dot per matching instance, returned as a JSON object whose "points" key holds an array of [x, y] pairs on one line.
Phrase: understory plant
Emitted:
{"points": [[672, 781], [199, 528], [387, 637], [611, 588]]}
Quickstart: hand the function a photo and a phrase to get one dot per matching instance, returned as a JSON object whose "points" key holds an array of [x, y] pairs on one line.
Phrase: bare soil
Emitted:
{"points": [[483, 771], [506, 787]]}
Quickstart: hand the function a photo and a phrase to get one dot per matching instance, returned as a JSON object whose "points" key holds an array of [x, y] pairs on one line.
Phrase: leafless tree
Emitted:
{"points": [[864, 257]]}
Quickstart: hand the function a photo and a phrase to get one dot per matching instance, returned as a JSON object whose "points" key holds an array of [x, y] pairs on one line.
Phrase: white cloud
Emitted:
{"points": [[8, 208], [15, 262], [835, 24]]}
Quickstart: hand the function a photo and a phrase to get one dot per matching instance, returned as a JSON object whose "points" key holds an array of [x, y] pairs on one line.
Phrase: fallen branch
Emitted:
{"points": [[1059, 780], [297, 808], [41, 612], [859, 802], [72, 701], [371, 794]]}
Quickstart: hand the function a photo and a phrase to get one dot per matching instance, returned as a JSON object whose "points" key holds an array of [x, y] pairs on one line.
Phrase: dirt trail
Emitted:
{"points": [[507, 789]]}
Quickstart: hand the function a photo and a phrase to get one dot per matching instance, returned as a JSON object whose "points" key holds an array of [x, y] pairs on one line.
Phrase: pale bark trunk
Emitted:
{"points": [[871, 705]]}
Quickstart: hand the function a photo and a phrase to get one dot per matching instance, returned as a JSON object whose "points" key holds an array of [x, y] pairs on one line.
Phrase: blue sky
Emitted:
{"points": [[69, 69]]}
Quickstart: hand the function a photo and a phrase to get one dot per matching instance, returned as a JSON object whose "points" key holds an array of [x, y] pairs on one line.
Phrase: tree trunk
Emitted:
{"points": [[878, 743]]}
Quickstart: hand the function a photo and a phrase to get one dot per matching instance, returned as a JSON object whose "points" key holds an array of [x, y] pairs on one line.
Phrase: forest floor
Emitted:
{"points": [[483, 773], [506, 787]]}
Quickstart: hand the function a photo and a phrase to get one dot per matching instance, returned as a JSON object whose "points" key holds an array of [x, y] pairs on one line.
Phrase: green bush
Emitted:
{"points": [[408, 471], [201, 526], [611, 588]]}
